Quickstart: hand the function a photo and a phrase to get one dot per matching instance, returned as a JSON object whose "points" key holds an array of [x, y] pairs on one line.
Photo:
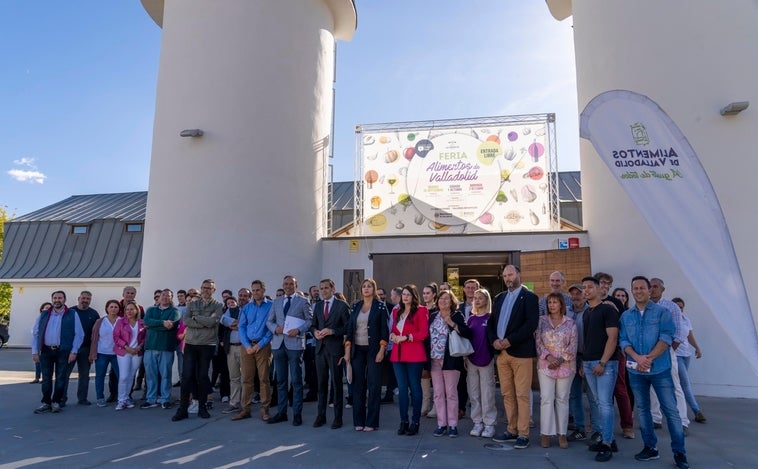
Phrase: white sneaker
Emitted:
{"points": [[121, 405], [192, 409], [225, 399], [477, 430], [489, 431]]}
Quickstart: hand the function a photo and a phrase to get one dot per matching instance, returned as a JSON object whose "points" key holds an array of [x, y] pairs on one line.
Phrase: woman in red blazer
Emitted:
{"points": [[410, 327], [128, 343]]}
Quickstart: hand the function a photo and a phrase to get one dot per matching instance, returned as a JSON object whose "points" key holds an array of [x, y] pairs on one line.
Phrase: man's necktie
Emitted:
{"points": [[287, 305], [326, 310]]}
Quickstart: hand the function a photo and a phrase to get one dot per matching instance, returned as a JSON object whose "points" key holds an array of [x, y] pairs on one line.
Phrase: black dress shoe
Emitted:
{"points": [[278, 418], [403, 428], [297, 420], [336, 424], [320, 421], [412, 429], [180, 414], [203, 413]]}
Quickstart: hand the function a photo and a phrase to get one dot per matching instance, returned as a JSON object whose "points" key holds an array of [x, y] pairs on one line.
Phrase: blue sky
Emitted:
{"points": [[78, 79]]}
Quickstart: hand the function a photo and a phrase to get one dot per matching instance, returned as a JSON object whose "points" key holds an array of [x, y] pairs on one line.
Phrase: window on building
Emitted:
{"points": [[79, 229], [134, 227]]}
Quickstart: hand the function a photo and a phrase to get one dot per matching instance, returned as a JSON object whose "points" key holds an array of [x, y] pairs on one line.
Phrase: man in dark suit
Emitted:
{"points": [[330, 318], [510, 330], [288, 345]]}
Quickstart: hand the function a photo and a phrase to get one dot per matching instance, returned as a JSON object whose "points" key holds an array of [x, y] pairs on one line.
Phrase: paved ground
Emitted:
{"points": [[81, 437]]}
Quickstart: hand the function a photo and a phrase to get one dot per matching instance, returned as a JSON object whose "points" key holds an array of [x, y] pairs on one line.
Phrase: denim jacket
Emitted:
{"points": [[643, 331]]}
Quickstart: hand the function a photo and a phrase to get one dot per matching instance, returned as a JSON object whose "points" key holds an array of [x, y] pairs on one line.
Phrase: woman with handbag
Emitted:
{"points": [[410, 327], [445, 322]]}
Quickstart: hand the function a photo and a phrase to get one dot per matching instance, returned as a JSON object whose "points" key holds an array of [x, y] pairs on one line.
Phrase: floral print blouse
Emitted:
{"points": [[560, 342]]}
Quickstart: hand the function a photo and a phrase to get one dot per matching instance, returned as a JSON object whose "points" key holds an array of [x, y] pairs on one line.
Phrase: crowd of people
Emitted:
{"points": [[441, 354]]}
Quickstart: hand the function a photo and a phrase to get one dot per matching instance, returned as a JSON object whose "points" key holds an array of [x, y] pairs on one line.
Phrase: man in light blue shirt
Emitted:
{"points": [[255, 356], [56, 338], [646, 333]]}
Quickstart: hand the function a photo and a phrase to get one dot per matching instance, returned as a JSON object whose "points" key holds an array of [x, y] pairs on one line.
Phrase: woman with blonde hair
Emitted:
{"points": [[365, 343], [129, 343], [480, 380]]}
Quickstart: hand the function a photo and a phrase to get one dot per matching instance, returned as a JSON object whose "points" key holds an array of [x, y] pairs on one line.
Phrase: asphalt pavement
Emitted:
{"points": [[89, 436]]}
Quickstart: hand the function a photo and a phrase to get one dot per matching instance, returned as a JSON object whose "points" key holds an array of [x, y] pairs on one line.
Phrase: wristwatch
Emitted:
{"points": [[602, 364]]}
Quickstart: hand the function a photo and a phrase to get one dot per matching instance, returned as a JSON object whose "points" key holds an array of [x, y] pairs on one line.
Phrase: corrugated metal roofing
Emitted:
{"points": [[41, 244], [83, 209]]}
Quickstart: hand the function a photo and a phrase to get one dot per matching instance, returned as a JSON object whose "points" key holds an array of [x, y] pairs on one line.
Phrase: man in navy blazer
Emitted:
{"points": [[288, 346], [510, 330], [330, 318]]}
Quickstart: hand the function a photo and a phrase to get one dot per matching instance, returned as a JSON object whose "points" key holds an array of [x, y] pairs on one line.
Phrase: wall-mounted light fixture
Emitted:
{"points": [[191, 133], [734, 108]]}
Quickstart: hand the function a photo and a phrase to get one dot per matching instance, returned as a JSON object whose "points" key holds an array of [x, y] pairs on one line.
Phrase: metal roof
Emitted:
{"points": [[84, 209], [41, 244]]}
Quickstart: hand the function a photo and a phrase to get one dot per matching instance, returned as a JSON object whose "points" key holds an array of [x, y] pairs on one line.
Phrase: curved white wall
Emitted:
{"points": [[692, 58], [243, 201]]}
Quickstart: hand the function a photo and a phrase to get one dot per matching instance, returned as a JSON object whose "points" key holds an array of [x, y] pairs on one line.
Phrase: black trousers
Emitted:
{"points": [[221, 372], [82, 368], [311, 376], [326, 364], [197, 362], [367, 388]]}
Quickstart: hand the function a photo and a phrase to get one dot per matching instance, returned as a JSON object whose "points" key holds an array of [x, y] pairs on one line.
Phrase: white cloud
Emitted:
{"points": [[29, 162], [27, 175]]}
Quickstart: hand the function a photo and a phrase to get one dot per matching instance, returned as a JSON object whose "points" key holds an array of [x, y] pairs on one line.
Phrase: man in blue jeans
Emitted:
{"points": [[601, 327], [647, 331], [161, 321]]}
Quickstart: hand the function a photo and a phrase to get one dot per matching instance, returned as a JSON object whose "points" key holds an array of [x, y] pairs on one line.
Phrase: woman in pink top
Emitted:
{"points": [[129, 342], [556, 340]]}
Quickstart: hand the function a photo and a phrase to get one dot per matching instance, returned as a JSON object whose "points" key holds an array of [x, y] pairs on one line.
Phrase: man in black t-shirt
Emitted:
{"points": [[621, 392], [600, 367]]}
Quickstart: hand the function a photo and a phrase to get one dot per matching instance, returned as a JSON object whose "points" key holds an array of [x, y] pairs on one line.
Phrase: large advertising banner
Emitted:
{"points": [[455, 180], [662, 175]]}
